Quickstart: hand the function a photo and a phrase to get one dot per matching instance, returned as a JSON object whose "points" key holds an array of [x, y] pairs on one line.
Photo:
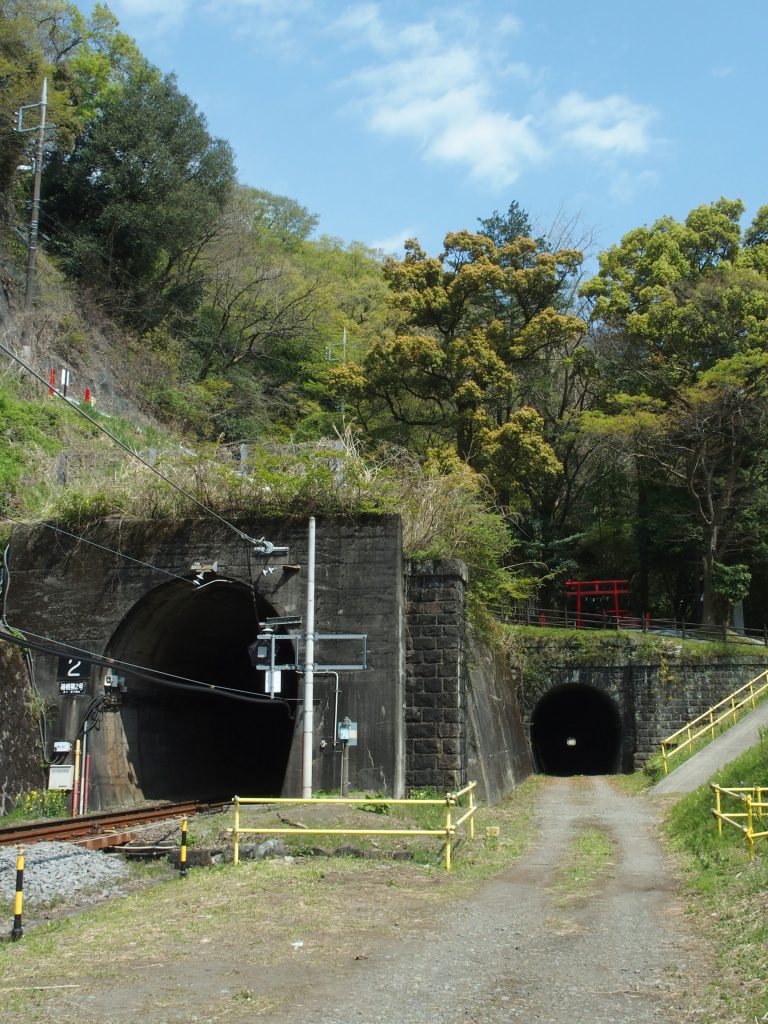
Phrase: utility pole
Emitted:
{"points": [[309, 672], [34, 221]]}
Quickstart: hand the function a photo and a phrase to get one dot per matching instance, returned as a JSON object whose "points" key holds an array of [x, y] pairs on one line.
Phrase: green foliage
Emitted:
{"points": [[682, 311], [731, 581], [375, 808], [588, 859], [83, 58], [40, 803], [467, 317], [691, 826], [144, 184], [29, 437], [653, 768]]}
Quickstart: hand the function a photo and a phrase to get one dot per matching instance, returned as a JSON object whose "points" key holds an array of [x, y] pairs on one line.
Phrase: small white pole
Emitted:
{"points": [[343, 362], [309, 671]]}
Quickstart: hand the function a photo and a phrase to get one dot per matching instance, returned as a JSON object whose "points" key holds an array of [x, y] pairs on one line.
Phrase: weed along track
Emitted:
{"points": [[577, 920]]}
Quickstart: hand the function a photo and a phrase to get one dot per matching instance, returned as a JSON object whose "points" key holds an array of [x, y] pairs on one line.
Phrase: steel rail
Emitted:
{"points": [[103, 829]]}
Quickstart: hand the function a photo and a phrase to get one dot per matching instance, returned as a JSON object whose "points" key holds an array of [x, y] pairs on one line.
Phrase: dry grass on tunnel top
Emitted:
{"points": [[336, 906]]}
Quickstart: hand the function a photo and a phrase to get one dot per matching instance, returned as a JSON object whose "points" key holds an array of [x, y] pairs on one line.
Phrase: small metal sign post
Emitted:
{"points": [[348, 738]]}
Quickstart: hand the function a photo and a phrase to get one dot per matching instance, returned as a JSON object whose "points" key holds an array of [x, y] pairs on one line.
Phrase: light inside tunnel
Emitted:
{"points": [[180, 744], [576, 730]]}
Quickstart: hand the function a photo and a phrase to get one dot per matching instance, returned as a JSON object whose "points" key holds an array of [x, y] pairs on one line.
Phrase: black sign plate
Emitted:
{"points": [[72, 675]]}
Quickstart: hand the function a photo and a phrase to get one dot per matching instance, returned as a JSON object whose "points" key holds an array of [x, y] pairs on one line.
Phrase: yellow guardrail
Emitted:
{"points": [[753, 800], [706, 723], [450, 801]]}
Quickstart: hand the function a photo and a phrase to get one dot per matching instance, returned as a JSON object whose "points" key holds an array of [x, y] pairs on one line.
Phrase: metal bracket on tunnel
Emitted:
{"points": [[262, 546]]}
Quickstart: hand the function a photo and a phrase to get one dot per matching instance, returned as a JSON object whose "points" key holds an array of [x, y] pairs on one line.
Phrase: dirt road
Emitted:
{"points": [[388, 943], [517, 951]]}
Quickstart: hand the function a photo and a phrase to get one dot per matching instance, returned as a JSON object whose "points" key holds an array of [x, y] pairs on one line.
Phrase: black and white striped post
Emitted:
{"points": [[17, 931]]}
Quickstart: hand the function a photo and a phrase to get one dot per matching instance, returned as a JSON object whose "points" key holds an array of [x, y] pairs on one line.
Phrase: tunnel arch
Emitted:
{"points": [[173, 743], [576, 730]]}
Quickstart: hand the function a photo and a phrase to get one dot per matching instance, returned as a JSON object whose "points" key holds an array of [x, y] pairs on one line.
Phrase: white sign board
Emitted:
{"points": [[61, 776]]}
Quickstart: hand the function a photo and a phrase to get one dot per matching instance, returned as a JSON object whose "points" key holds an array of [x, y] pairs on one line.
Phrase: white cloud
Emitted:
{"points": [[165, 14], [450, 83], [625, 186], [509, 25], [394, 244], [613, 124], [440, 95], [272, 21], [467, 102]]}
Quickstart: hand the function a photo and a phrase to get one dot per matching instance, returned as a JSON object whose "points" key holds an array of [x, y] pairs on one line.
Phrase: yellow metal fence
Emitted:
{"points": [[743, 808], [455, 817], [720, 715]]}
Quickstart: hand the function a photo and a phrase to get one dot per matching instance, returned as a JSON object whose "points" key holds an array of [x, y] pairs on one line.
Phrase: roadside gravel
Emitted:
{"points": [[59, 871]]}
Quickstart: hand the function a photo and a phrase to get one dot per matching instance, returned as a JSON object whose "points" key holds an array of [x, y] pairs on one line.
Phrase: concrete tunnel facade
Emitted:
{"points": [[167, 742], [434, 707]]}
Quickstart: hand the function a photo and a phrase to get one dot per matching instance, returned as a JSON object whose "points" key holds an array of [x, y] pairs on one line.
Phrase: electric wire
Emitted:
{"points": [[81, 412], [103, 547], [60, 648]]}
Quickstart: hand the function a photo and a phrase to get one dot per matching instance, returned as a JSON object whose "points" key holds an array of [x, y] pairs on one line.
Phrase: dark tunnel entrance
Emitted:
{"points": [[179, 744], [576, 730]]}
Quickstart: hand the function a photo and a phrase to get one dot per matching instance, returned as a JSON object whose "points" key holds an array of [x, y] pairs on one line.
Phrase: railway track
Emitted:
{"points": [[103, 829]]}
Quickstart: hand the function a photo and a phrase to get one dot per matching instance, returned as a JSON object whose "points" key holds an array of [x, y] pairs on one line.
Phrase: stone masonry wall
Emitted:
{"points": [[658, 684], [435, 690]]}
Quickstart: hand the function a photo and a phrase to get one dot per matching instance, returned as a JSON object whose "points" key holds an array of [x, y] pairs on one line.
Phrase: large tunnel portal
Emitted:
{"points": [[576, 730], [181, 743]]}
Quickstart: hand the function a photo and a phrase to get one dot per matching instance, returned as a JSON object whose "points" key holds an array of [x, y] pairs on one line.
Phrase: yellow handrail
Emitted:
{"points": [[449, 801], [753, 799], [734, 703]]}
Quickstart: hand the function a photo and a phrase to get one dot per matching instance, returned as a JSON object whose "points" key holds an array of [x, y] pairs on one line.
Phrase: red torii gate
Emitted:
{"points": [[597, 588]]}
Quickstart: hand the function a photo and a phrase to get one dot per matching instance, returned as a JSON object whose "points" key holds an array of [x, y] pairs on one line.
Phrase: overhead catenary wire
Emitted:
{"points": [[60, 648], [81, 412], [103, 547]]}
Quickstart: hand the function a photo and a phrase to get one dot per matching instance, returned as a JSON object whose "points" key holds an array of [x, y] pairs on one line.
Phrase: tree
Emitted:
{"points": [[144, 185], [682, 311], [468, 318], [255, 301], [82, 58]]}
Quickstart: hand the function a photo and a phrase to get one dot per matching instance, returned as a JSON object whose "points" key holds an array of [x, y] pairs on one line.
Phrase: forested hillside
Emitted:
{"points": [[542, 425]]}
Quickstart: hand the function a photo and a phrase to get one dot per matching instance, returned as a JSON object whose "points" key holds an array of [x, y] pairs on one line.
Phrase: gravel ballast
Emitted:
{"points": [[60, 871]]}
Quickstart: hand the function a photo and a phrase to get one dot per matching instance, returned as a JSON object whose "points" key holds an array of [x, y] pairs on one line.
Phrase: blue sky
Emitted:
{"points": [[395, 119]]}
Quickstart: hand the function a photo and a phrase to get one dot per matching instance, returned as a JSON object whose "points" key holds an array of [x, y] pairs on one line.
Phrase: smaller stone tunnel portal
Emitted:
{"points": [[180, 744], [576, 730]]}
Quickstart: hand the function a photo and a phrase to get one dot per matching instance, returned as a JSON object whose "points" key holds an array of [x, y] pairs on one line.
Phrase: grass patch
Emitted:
{"points": [[139, 948], [589, 857], [726, 892], [631, 784]]}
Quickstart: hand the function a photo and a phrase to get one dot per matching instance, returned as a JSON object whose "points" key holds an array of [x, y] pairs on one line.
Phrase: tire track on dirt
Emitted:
{"points": [[512, 953]]}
